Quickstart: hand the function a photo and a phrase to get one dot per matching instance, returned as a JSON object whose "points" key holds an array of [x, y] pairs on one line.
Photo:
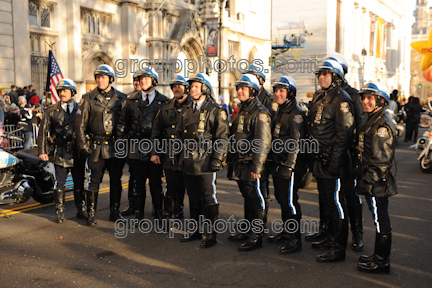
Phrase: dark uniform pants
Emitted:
{"points": [[286, 193], [97, 170], [175, 185], [254, 193], [379, 208], [78, 174], [143, 170], [201, 187], [333, 199], [349, 188]]}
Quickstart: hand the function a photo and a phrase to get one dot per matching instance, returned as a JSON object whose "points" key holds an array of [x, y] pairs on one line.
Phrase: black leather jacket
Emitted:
{"points": [[256, 126], [332, 128], [165, 127], [360, 116], [214, 126], [97, 117], [377, 144], [287, 126], [136, 122], [268, 101], [58, 126]]}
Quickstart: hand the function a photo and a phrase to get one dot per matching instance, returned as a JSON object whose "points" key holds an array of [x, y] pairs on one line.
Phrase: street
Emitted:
{"points": [[36, 252]]}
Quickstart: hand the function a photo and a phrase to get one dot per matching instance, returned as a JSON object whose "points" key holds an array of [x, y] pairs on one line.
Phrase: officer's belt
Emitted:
{"points": [[99, 140], [64, 143]]}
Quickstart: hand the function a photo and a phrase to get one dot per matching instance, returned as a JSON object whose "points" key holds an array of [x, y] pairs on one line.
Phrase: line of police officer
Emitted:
{"points": [[105, 115]]}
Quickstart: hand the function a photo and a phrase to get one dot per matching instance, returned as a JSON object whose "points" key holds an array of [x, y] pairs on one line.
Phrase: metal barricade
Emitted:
{"points": [[12, 143]]}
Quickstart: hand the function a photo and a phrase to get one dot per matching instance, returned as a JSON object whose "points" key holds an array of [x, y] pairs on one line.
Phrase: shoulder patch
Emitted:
{"points": [[298, 118], [344, 107], [263, 117], [223, 115], [382, 132], [275, 106]]}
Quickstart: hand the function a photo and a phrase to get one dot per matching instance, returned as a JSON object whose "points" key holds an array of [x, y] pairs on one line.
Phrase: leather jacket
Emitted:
{"points": [[253, 124], [205, 126], [136, 122], [360, 116], [377, 144], [56, 135], [268, 101], [287, 126], [331, 123], [95, 123], [165, 127]]}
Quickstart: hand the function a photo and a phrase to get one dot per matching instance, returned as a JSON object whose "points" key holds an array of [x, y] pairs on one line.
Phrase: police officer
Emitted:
{"points": [[331, 123], [165, 129], [250, 125], [348, 181], [56, 143], [268, 101], [377, 143], [202, 124], [288, 127], [130, 210], [136, 124], [95, 126]]}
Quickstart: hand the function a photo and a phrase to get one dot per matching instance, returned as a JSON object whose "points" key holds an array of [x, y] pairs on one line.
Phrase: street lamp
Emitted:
{"points": [[220, 43], [364, 54]]}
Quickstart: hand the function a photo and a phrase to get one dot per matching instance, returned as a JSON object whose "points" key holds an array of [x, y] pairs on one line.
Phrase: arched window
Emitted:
{"points": [[89, 23], [32, 14], [45, 17]]}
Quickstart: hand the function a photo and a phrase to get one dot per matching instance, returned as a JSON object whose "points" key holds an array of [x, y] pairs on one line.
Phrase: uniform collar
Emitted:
{"points": [[151, 95]]}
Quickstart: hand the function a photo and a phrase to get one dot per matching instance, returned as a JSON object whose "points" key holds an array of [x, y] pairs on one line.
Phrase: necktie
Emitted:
{"points": [[195, 108], [146, 100]]}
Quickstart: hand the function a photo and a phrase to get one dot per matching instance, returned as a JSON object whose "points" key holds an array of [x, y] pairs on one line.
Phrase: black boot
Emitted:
{"points": [[115, 197], [323, 227], [295, 242], [356, 217], [169, 207], [91, 207], [340, 238], [130, 208], [325, 244], [211, 213], [241, 237], [284, 235], [195, 208], [139, 205], [79, 197], [379, 262], [255, 239], [59, 199]]}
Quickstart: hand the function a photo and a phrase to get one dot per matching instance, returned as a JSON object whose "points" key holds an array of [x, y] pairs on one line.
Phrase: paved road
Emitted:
{"points": [[36, 252]]}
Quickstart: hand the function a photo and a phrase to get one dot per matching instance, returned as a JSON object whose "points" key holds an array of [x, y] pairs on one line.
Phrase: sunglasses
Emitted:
{"points": [[323, 73]]}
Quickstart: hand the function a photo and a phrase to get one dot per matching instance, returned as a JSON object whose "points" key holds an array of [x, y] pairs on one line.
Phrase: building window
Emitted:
{"points": [[89, 24], [45, 17], [98, 27], [94, 25], [32, 14], [338, 27]]}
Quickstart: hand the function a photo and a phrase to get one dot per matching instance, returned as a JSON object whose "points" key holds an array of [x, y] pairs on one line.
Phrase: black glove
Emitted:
{"points": [[357, 173], [333, 171], [285, 172], [216, 165], [85, 151], [364, 188]]}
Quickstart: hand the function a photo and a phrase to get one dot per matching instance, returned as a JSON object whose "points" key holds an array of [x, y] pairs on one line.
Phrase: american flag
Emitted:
{"points": [[53, 77]]}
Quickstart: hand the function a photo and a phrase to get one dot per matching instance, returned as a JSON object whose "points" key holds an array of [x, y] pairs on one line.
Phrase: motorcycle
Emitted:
{"points": [[23, 176], [425, 156], [400, 127]]}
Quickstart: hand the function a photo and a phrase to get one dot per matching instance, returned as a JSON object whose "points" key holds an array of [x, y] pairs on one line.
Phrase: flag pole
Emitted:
{"points": [[47, 93]]}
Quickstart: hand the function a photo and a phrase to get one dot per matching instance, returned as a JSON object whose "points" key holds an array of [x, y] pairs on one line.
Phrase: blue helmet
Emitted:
{"points": [[248, 80], [180, 80], [331, 66], [148, 72], [207, 88], [378, 89], [286, 82], [105, 70], [255, 71], [341, 60], [65, 84], [136, 75]]}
